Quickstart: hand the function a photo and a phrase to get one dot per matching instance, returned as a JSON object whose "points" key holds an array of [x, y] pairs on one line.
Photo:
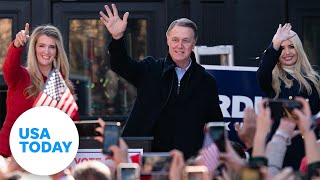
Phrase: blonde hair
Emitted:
{"points": [[303, 71], [60, 62]]}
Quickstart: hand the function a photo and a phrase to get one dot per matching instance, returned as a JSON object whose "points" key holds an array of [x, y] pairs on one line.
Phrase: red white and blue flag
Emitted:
{"points": [[56, 93], [209, 153]]}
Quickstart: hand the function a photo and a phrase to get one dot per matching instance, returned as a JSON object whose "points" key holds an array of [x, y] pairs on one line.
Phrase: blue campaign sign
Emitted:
{"points": [[238, 88]]}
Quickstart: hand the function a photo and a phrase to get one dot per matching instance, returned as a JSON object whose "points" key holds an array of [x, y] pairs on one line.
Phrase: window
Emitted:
{"points": [[106, 92], [5, 38], [101, 92], [311, 38]]}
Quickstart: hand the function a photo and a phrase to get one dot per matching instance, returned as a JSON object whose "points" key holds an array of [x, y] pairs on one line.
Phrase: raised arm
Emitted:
{"points": [[247, 132], [113, 23], [271, 56], [277, 147], [304, 123], [12, 67], [264, 123], [120, 61]]}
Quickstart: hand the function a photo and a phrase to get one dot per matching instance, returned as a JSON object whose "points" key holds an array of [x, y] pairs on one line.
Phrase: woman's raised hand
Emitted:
{"points": [[283, 33], [22, 37]]}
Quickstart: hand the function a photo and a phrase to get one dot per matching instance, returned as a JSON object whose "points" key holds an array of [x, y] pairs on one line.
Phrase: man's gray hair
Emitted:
{"points": [[184, 22]]}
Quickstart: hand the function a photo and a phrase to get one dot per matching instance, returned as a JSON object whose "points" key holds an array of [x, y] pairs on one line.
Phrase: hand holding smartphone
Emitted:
{"points": [[111, 136], [86, 128], [155, 163], [282, 107], [218, 134]]}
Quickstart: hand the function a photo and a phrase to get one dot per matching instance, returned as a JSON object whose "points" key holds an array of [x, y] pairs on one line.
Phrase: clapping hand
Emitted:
{"points": [[113, 23], [22, 37]]}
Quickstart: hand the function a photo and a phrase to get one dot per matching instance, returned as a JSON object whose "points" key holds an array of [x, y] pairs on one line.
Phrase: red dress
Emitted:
{"points": [[17, 79]]}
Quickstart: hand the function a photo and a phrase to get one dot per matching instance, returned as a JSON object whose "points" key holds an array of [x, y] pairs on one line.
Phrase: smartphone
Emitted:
{"points": [[155, 163], [218, 134], [282, 107], [129, 171], [195, 173], [86, 128], [111, 136], [251, 173]]}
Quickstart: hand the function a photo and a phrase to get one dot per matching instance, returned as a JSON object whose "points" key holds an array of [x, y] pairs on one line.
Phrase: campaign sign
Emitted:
{"points": [[97, 155], [238, 88]]}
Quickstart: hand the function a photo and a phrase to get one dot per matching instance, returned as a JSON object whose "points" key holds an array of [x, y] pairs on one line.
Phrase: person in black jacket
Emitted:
{"points": [[176, 97], [285, 72]]}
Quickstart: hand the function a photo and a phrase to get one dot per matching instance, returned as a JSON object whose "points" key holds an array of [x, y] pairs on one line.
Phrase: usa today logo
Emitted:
{"points": [[44, 140]]}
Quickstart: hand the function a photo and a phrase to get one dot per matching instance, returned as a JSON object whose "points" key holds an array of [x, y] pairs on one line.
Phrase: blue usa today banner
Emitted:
{"points": [[238, 88]]}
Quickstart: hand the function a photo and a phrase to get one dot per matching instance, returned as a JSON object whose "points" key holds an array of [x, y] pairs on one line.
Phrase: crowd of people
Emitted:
{"points": [[264, 162], [176, 98]]}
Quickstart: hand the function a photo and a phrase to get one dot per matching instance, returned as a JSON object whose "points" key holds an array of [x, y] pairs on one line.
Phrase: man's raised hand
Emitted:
{"points": [[113, 23]]}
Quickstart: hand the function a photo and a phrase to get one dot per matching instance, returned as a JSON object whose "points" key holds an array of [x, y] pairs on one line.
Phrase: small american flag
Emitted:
{"points": [[55, 93], [209, 153]]}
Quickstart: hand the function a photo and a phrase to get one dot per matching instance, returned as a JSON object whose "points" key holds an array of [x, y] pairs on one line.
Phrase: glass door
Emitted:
{"points": [[13, 16], [101, 92], [5, 37]]}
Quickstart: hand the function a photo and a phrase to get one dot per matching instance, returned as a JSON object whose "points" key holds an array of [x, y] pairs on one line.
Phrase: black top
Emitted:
{"points": [[295, 152], [264, 75], [175, 120]]}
